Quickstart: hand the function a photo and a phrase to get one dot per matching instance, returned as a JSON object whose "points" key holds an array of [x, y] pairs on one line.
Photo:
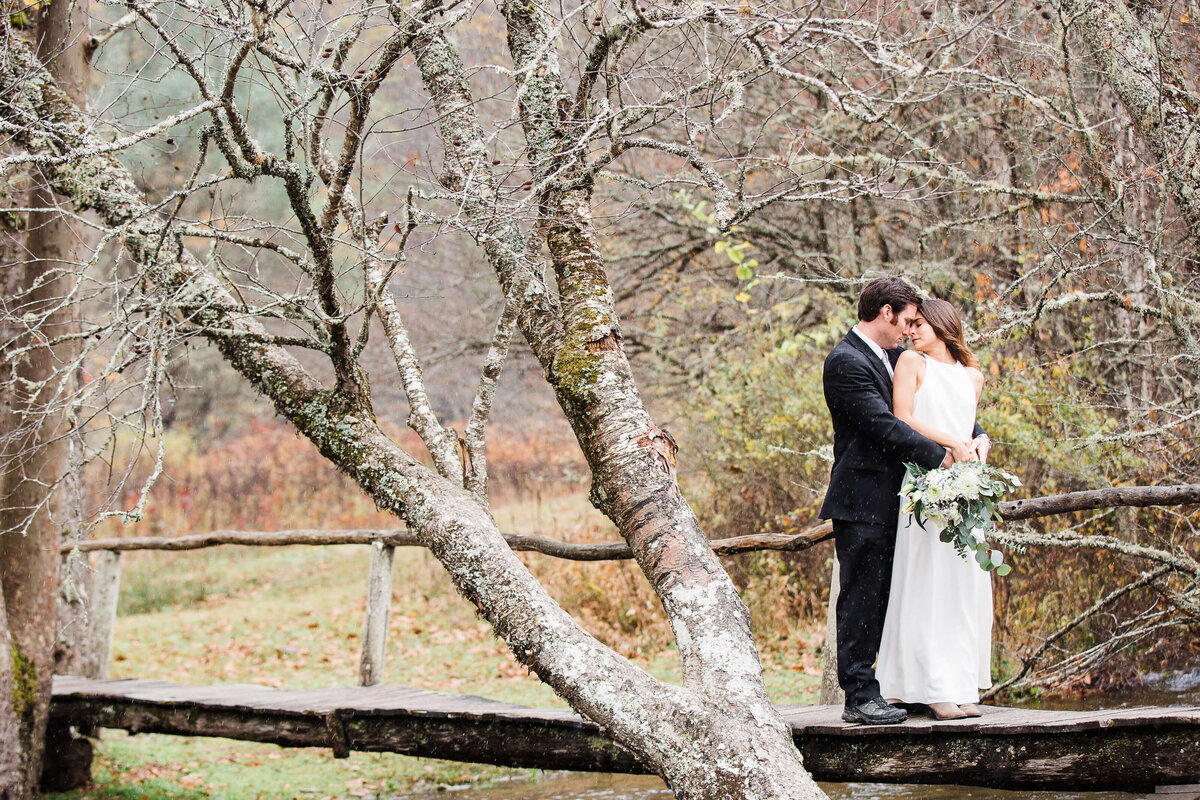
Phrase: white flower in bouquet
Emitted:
{"points": [[966, 482], [961, 500]]}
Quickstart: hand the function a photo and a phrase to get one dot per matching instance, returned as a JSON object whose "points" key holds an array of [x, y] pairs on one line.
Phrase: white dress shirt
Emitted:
{"points": [[878, 351]]}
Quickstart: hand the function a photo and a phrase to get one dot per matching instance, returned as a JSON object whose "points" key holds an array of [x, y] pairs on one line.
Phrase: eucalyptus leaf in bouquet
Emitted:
{"points": [[961, 499]]}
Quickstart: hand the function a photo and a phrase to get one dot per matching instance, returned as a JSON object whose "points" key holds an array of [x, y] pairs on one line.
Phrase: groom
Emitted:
{"points": [[870, 447]]}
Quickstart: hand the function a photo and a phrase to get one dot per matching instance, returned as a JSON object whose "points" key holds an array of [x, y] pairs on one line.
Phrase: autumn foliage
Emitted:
{"points": [[261, 475]]}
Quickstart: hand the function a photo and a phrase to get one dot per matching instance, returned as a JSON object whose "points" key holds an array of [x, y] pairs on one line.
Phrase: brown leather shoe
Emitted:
{"points": [[946, 711], [971, 709]]}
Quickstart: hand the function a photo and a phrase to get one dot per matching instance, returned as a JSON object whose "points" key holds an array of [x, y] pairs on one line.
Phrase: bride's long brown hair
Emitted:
{"points": [[944, 320]]}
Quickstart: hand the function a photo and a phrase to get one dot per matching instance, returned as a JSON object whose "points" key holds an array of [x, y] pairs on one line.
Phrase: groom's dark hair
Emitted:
{"points": [[885, 291]]}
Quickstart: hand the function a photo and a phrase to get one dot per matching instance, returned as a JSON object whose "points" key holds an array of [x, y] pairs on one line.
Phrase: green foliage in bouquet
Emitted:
{"points": [[962, 500]]}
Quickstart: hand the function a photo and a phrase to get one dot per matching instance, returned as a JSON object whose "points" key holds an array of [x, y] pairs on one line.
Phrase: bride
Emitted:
{"points": [[936, 646]]}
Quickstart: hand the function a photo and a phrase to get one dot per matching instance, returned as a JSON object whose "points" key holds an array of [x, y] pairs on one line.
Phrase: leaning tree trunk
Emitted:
{"points": [[716, 737]]}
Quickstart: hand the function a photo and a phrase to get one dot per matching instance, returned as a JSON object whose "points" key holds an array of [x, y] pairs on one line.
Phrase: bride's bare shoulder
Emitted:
{"points": [[910, 363], [976, 377]]}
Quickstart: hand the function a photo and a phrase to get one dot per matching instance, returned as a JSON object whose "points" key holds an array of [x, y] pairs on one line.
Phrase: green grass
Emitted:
{"points": [[292, 617], [155, 767]]}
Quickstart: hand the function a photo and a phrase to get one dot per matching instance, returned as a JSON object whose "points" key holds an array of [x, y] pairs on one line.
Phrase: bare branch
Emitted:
{"points": [[1135, 496]]}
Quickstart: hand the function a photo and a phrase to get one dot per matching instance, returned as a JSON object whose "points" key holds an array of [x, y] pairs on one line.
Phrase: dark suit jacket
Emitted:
{"points": [[870, 444]]}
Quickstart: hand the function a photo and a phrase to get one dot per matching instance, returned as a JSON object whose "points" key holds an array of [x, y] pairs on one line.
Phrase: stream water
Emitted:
{"points": [[576, 786], [1175, 689]]}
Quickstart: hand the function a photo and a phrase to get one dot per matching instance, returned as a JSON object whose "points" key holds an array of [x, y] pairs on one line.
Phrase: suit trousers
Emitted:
{"points": [[864, 552]]}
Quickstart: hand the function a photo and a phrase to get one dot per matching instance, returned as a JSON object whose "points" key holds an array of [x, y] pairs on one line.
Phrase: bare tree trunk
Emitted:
{"points": [[11, 699], [62, 37], [32, 461], [67, 760], [33, 430]]}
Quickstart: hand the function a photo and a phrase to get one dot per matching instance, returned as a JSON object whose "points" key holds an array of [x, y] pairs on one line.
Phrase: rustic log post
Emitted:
{"points": [[831, 691], [68, 762], [106, 590], [379, 604], [72, 616]]}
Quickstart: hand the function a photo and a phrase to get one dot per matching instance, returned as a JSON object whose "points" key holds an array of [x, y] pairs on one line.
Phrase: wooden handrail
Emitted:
{"points": [[383, 542], [1138, 496], [198, 541], [575, 551]]}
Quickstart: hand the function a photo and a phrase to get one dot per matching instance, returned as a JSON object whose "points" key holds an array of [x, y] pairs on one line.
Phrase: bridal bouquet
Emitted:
{"points": [[962, 500]]}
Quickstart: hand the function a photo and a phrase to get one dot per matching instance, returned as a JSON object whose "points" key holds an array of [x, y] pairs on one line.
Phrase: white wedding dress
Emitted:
{"points": [[937, 635]]}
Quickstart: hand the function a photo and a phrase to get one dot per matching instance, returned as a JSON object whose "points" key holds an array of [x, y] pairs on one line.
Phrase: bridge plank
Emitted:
{"points": [[1135, 749]]}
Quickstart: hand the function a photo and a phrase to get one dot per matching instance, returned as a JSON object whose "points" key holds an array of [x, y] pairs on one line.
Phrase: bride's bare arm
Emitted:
{"points": [[976, 378], [981, 445], [910, 371]]}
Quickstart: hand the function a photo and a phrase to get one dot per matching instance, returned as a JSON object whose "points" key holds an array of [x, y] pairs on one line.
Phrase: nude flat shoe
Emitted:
{"points": [[971, 709], [946, 711]]}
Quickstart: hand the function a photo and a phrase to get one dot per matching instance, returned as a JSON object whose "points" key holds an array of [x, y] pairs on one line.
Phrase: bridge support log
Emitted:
{"points": [[102, 613], [379, 606], [1098, 760], [67, 764], [1133, 750]]}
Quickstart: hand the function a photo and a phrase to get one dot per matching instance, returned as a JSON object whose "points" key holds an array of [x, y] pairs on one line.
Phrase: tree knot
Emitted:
{"points": [[609, 342], [662, 446]]}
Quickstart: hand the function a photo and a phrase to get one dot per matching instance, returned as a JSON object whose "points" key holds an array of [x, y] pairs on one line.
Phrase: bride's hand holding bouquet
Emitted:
{"points": [[961, 500]]}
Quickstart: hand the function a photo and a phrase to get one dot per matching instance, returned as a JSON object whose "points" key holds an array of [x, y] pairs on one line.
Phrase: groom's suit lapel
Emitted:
{"points": [[858, 344]]}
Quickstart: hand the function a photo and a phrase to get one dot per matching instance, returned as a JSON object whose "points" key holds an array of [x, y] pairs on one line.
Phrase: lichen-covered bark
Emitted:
{"points": [[468, 173], [1152, 84], [707, 745], [634, 483]]}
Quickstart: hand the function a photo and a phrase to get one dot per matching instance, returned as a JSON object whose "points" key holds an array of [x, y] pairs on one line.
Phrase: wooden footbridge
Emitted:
{"points": [[1131, 749]]}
